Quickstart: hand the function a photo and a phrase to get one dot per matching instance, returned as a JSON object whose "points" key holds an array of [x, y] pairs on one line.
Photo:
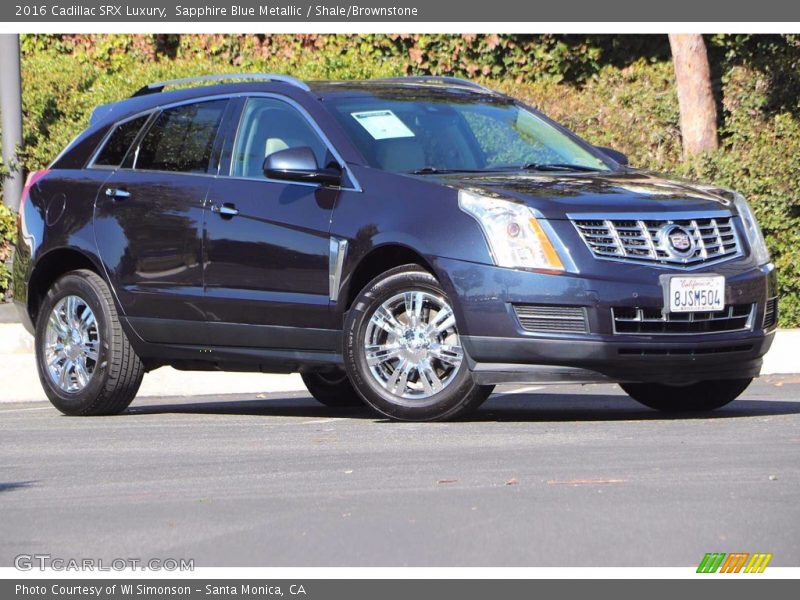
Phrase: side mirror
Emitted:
{"points": [[299, 164], [615, 155]]}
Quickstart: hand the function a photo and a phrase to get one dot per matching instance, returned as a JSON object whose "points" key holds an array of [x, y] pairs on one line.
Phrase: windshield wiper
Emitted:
{"points": [[437, 171], [426, 171], [556, 167]]}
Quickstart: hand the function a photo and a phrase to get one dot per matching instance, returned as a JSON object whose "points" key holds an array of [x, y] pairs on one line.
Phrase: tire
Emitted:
{"points": [[697, 397], [331, 388], [109, 372], [414, 397]]}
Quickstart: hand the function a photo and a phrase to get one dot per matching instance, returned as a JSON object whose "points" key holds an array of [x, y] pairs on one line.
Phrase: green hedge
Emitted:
{"points": [[616, 91]]}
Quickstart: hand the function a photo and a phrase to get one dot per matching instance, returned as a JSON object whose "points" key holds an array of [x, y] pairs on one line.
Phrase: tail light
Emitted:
{"points": [[29, 183]]}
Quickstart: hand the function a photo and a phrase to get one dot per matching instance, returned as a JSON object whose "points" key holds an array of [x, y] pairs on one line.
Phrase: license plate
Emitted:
{"points": [[696, 294]]}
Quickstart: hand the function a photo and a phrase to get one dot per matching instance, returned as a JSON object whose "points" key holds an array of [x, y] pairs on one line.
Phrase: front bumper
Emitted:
{"points": [[501, 350], [582, 361]]}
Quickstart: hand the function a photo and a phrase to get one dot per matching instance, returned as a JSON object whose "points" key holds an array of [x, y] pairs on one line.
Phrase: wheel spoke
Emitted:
{"points": [[387, 321], [429, 379], [63, 375], [381, 353], [89, 350], [446, 353], [72, 311], [80, 373], [57, 323], [399, 379], [444, 320], [413, 303], [87, 320], [54, 357]]}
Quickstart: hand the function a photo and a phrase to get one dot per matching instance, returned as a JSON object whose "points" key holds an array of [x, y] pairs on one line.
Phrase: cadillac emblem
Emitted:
{"points": [[677, 241]]}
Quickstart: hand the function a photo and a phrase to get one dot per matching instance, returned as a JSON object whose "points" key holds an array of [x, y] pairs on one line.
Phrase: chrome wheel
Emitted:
{"points": [[411, 345], [71, 344]]}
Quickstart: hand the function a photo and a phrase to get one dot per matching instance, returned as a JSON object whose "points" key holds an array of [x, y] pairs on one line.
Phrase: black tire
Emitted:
{"points": [[332, 388], [697, 397], [117, 371], [457, 399]]}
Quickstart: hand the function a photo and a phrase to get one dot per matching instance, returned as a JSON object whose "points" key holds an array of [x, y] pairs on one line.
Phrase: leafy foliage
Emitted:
{"points": [[616, 91], [8, 231]]}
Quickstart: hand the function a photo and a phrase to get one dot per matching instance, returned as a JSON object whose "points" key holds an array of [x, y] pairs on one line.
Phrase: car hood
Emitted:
{"points": [[557, 195]]}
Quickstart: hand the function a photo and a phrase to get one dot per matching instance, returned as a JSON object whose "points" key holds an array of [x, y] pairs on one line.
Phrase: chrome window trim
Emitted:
{"points": [[156, 114], [661, 216], [160, 108], [90, 164]]}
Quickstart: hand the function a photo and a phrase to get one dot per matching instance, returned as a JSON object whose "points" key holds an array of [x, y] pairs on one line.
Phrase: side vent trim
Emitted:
{"points": [[338, 250]]}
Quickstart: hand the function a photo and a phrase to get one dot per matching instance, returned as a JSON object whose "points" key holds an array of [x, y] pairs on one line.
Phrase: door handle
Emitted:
{"points": [[226, 210], [117, 193]]}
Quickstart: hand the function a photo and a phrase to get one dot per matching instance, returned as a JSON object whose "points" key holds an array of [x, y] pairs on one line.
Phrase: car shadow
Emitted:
{"points": [[535, 407], [10, 486], [290, 405], [554, 407]]}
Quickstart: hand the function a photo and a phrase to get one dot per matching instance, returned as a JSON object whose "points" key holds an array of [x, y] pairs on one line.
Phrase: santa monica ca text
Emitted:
{"points": [[141, 589]]}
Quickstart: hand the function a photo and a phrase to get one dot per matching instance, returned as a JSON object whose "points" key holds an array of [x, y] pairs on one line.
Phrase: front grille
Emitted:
{"points": [[771, 313], [650, 321], [684, 350], [645, 238], [539, 318]]}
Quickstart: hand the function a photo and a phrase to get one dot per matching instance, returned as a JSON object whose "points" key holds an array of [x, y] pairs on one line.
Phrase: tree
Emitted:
{"points": [[695, 94]]}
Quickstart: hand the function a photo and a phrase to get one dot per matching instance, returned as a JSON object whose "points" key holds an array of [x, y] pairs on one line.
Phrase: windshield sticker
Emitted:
{"points": [[382, 124]]}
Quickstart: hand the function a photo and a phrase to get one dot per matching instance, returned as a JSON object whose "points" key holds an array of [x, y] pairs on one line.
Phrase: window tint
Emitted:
{"points": [[182, 138], [118, 143], [269, 125]]}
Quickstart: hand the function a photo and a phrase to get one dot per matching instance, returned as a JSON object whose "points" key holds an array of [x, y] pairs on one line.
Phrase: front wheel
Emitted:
{"points": [[403, 352], [697, 397]]}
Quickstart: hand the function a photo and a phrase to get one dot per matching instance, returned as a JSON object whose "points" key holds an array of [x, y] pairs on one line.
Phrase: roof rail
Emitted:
{"points": [[154, 88], [441, 79]]}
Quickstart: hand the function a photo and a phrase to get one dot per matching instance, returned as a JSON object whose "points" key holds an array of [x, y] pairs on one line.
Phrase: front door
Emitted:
{"points": [[267, 245]]}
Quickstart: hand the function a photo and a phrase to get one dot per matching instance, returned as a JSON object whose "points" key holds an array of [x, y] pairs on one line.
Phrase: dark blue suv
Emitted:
{"points": [[407, 243]]}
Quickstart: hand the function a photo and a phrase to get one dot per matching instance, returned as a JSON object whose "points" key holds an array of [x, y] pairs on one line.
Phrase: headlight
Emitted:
{"points": [[516, 238], [754, 236]]}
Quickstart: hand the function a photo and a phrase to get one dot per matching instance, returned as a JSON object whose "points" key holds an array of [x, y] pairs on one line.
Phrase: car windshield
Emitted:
{"points": [[446, 132]]}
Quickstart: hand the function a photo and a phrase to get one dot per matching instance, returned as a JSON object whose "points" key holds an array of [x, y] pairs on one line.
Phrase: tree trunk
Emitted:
{"points": [[695, 95]]}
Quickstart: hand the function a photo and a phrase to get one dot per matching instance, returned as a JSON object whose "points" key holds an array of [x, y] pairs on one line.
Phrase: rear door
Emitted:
{"points": [[149, 222]]}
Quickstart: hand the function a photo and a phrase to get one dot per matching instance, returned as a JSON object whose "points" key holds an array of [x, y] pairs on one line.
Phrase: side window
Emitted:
{"points": [[182, 138], [269, 125], [116, 147]]}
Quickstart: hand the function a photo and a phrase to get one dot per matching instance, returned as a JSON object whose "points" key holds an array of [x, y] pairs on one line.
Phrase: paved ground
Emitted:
{"points": [[559, 476]]}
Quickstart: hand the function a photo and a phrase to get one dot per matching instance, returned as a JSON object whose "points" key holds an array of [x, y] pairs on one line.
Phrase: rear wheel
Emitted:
{"points": [[403, 352], [85, 362], [697, 397], [331, 388]]}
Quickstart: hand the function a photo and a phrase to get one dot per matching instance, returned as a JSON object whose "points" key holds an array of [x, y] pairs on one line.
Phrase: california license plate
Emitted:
{"points": [[696, 294]]}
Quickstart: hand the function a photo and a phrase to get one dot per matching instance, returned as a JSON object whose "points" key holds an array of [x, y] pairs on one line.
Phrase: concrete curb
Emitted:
{"points": [[20, 382]]}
